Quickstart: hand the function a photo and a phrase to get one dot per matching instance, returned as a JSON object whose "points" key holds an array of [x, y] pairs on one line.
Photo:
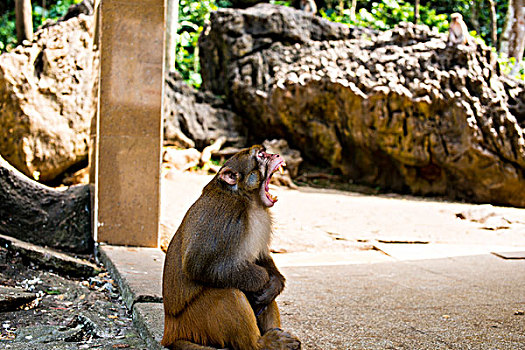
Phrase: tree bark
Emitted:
{"points": [[505, 33], [509, 35], [475, 10], [512, 40], [517, 35], [24, 20], [41, 215], [172, 21], [493, 24], [353, 8], [416, 12]]}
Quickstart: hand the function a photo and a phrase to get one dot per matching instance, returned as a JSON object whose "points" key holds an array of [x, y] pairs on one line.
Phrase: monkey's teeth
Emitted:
{"points": [[272, 197], [281, 170]]}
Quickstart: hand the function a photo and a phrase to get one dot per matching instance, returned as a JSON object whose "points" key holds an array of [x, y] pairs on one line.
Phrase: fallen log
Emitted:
{"points": [[42, 215]]}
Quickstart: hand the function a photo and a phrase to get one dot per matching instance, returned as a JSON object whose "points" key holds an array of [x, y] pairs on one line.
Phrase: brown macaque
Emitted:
{"points": [[220, 282], [457, 32], [308, 6]]}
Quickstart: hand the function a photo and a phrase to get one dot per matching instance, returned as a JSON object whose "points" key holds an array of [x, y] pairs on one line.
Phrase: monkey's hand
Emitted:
{"points": [[267, 294]]}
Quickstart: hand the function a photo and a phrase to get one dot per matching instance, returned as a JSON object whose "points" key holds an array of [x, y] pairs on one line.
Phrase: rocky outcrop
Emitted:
{"points": [[196, 119], [398, 109], [47, 99]]}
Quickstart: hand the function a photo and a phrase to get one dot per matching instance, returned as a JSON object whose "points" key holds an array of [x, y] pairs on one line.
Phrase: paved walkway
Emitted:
{"points": [[369, 272], [454, 303], [470, 302]]}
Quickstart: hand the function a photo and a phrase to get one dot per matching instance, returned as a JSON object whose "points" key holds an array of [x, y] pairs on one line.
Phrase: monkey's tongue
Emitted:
{"points": [[268, 195]]}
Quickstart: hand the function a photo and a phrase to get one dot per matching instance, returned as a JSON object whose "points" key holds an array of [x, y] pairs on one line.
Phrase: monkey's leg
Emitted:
{"points": [[187, 345], [269, 318], [224, 318], [218, 318], [269, 323]]}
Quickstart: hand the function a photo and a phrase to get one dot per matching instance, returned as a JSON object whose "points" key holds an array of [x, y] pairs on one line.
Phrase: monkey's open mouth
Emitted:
{"points": [[278, 166]]}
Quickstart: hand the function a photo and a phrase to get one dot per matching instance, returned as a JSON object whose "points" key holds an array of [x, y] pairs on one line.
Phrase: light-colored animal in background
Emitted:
{"points": [[308, 6], [458, 31]]}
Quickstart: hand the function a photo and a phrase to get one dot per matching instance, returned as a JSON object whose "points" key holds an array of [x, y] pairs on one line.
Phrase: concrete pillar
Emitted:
{"points": [[129, 123]]}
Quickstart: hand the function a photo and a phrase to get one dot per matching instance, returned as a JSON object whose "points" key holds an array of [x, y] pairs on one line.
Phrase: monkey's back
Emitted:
{"points": [[177, 290], [197, 234]]}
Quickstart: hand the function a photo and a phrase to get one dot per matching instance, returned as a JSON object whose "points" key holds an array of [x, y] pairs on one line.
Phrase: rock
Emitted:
{"points": [[47, 99], [60, 263], [80, 327], [490, 218], [397, 109], [181, 159], [292, 157], [245, 3], [42, 215], [12, 298], [212, 149], [196, 119], [78, 177], [235, 38]]}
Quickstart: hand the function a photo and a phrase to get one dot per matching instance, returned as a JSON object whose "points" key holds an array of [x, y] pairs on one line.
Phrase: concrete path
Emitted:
{"points": [[454, 303], [472, 302], [368, 272], [335, 222]]}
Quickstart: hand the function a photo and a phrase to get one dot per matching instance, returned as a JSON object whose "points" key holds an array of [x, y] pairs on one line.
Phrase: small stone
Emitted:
{"points": [[12, 299]]}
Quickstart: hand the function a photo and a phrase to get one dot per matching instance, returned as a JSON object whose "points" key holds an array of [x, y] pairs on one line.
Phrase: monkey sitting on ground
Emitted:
{"points": [[220, 282], [457, 32]]}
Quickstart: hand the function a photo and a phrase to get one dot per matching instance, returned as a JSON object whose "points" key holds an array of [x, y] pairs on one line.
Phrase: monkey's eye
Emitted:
{"points": [[260, 154]]}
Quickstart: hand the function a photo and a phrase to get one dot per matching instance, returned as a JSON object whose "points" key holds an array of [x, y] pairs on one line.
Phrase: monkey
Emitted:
{"points": [[457, 32], [86, 7], [219, 281], [308, 6]]}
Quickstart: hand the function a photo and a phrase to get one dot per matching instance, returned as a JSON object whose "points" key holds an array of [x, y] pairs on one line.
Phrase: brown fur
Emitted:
{"points": [[220, 283]]}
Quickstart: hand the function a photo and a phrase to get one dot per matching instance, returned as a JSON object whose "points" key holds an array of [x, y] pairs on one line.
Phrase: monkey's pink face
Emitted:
{"points": [[269, 164]]}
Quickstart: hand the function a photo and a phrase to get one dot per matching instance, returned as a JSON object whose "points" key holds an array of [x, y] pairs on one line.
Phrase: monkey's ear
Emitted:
{"points": [[229, 176]]}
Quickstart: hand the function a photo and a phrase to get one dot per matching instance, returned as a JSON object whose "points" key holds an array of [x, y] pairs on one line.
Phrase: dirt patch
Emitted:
{"points": [[68, 313]]}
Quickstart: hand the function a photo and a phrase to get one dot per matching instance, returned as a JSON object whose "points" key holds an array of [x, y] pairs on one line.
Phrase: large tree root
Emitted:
{"points": [[42, 215]]}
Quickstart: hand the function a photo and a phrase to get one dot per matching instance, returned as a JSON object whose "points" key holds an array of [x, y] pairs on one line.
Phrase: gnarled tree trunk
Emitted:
{"points": [[24, 20], [42, 215], [513, 36]]}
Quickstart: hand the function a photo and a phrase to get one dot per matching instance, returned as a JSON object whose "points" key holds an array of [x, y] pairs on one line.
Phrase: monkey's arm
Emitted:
{"points": [[267, 262], [272, 288], [217, 265]]}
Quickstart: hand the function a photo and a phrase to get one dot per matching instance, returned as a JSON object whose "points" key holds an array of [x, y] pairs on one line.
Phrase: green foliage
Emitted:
{"points": [[53, 11], [281, 2], [192, 17], [507, 64], [7, 31], [473, 12], [193, 14], [386, 14]]}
